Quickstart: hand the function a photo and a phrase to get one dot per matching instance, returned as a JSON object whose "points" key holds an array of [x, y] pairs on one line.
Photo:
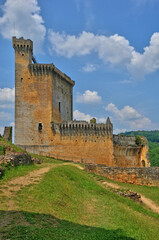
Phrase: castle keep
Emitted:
{"points": [[44, 118]]}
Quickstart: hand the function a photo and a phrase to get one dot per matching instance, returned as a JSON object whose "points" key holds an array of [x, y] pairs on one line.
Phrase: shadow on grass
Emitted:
{"points": [[35, 226]]}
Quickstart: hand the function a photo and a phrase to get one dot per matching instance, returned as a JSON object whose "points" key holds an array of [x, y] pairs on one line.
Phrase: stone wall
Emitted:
{"points": [[77, 150], [79, 142], [128, 154], [8, 134], [14, 159], [141, 176]]}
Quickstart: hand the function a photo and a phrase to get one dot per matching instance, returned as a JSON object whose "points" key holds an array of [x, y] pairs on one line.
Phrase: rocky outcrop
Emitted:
{"points": [[16, 159]]}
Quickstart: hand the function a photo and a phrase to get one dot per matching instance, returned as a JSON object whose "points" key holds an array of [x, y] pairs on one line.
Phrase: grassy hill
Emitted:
{"points": [[153, 139], [65, 202], [69, 204], [58, 200]]}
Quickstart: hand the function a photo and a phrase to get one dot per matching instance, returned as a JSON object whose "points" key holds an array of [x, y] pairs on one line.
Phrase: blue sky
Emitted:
{"points": [[109, 47]]}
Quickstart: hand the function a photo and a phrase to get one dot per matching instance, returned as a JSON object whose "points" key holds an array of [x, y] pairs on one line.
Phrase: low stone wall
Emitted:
{"points": [[13, 160], [16, 159], [141, 176]]}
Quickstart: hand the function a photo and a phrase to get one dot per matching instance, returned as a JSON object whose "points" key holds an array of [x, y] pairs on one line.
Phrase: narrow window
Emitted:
{"points": [[40, 127], [143, 163], [59, 107]]}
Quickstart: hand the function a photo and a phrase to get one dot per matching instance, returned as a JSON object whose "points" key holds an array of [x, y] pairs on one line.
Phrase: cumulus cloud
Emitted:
{"points": [[147, 62], [89, 68], [118, 130], [101, 120], [7, 96], [88, 97], [81, 116], [129, 116], [114, 50], [86, 117], [22, 18]]}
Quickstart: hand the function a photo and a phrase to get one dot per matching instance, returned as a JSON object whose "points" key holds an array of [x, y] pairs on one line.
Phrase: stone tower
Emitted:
{"points": [[43, 95]]}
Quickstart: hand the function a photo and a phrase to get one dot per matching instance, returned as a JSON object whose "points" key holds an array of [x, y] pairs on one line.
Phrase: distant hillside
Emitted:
{"points": [[152, 136], [153, 139]]}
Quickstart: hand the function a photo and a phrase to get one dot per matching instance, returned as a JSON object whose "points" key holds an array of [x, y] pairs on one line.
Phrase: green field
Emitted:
{"points": [[68, 203]]}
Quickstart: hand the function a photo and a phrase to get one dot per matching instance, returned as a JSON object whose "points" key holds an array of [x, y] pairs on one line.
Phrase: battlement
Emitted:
{"points": [[42, 69], [124, 140], [22, 45], [127, 140], [82, 128]]}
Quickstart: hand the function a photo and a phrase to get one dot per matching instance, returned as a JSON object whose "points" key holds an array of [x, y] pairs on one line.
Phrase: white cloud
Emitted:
{"points": [[4, 116], [1, 130], [147, 62], [6, 106], [81, 116], [117, 130], [22, 18], [86, 117], [7, 96], [88, 97], [129, 116], [101, 120], [89, 68], [114, 50]]}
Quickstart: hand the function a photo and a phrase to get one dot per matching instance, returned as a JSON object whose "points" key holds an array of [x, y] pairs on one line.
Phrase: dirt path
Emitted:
{"points": [[73, 164], [9, 190], [148, 202]]}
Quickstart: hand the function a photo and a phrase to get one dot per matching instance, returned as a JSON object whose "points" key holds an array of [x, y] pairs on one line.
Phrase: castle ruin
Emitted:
{"points": [[44, 118]]}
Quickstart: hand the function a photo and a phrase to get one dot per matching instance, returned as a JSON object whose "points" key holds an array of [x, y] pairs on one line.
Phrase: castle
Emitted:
{"points": [[44, 118]]}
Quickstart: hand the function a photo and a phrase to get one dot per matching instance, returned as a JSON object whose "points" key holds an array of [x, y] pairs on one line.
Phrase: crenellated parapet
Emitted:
{"points": [[83, 128], [129, 141], [22, 45], [45, 69], [124, 140]]}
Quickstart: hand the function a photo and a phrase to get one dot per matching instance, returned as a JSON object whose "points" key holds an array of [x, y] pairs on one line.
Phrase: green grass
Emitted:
{"points": [[69, 204], [2, 150], [46, 159], [17, 171], [5, 143], [148, 191], [47, 227]]}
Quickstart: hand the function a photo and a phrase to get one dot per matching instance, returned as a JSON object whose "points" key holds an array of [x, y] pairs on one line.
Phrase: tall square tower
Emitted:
{"points": [[43, 94]]}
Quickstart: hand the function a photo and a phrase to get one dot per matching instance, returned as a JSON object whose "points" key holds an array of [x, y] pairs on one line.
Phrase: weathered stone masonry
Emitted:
{"points": [[141, 176], [44, 118]]}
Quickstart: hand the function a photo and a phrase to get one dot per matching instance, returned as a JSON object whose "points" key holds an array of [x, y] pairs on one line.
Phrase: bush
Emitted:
{"points": [[138, 140]]}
